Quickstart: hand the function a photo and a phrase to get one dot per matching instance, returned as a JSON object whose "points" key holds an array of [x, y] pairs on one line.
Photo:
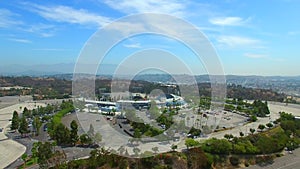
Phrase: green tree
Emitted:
{"points": [[260, 109], [253, 118], [231, 139], [266, 144], [113, 111], [61, 134], [189, 142], [291, 145], [85, 139], [137, 133], [217, 146], [91, 131], [228, 136], [98, 137], [261, 127], [269, 125], [37, 124], [24, 158], [74, 131], [26, 112], [44, 153], [244, 146], [174, 147], [15, 121], [286, 116], [154, 111], [242, 134], [288, 125], [252, 130], [23, 129], [195, 132], [34, 148]]}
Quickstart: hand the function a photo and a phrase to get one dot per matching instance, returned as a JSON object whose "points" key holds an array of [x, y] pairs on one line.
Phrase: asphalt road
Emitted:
{"points": [[289, 161]]}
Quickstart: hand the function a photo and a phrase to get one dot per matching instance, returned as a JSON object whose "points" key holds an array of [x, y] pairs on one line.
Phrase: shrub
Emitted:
{"points": [[234, 160]]}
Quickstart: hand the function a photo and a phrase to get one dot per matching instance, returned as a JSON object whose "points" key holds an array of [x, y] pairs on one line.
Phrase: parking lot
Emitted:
{"points": [[11, 100], [11, 150], [230, 120], [114, 137]]}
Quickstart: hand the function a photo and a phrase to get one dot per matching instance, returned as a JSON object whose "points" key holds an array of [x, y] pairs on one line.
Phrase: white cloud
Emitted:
{"points": [[255, 55], [209, 29], [68, 14], [7, 20], [19, 40], [236, 41], [228, 21], [171, 7], [43, 30], [131, 26], [135, 45]]}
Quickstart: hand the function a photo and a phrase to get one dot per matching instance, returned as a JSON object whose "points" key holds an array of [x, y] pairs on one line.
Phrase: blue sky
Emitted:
{"points": [[251, 37]]}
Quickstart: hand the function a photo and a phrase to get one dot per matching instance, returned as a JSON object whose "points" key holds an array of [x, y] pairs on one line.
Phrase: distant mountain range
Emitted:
{"points": [[286, 84], [281, 84], [48, 70]]}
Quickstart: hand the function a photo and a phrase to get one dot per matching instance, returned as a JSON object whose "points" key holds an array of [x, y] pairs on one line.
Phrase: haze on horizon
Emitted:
{"points": [[250, 37]]}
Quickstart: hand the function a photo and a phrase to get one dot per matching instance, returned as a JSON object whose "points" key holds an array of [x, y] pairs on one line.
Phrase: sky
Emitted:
{"points": [[250, 37]]}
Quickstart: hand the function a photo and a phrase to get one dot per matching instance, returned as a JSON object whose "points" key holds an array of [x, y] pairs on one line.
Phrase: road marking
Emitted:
{"points": [[289, 164]]}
